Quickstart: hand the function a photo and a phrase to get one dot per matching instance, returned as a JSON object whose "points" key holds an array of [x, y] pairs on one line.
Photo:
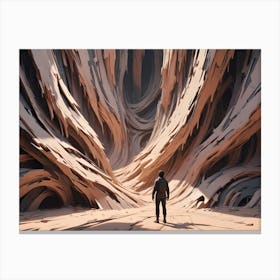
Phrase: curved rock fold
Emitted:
{"points": [[97, 125]]}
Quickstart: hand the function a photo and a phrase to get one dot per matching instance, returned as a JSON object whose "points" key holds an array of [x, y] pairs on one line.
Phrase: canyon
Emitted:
{"points": [[96, 126]]}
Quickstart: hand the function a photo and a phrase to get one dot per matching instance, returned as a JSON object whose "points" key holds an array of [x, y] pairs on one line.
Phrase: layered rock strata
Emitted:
{"points": [[97, 125]]}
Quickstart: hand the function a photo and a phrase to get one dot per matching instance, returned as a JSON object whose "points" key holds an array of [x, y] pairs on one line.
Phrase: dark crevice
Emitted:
{"points": [[203, 114], [222, 107], [220, 164], [147, 70], [190, 140], [224, 102], [60, 66], [80, 199], [22, 151], [248, 148], [244, 201], [76, 144], [51, 202], [148, 73], [25, 101], [107, 139], [188, 65], [249, 56], [28, 65], [31, 164], [28, 198], [128, 79]]}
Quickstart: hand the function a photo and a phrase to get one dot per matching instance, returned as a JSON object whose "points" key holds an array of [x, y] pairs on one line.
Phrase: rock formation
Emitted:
{"points": [[97, 125]]}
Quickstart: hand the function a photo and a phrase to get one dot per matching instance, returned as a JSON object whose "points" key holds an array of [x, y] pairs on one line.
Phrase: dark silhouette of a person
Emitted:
{"points": [[161, 190]]}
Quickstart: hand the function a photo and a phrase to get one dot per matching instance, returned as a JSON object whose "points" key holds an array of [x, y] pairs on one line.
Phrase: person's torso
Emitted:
{"points": [[161, 188]]}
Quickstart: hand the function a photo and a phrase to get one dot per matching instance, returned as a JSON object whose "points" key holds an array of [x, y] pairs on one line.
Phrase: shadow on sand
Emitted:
{"points": [[115, 226]]}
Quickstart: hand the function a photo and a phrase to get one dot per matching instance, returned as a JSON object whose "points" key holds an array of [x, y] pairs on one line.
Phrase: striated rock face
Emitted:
{"points": [[97, 125]]}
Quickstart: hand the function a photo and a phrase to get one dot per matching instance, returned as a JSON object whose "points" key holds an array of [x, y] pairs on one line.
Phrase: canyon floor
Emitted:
{"points": [[142, 219]]}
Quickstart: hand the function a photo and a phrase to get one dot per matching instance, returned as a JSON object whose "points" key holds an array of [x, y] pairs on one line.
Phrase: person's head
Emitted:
{"points": [[161, 173]]}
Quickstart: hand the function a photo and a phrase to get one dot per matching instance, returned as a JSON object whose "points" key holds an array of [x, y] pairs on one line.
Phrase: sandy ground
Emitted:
{"points": [[141, 219]]}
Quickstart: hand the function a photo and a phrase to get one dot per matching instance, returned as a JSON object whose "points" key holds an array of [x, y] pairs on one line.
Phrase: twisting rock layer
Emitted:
{"points": [[97, 125]]}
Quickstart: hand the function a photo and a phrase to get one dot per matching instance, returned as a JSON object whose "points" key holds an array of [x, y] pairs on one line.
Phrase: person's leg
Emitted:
{"points": [[164, 209], [157, 208]]}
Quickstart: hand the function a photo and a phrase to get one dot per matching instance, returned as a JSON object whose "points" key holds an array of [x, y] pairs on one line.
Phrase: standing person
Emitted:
{"points": [[161, 189]]}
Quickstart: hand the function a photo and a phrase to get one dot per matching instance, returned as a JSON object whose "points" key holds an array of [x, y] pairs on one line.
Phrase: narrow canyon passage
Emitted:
{"points": [[96, 126]]}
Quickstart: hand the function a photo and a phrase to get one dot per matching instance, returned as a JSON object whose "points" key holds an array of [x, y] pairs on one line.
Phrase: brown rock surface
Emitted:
{"points": [[97, 125]]}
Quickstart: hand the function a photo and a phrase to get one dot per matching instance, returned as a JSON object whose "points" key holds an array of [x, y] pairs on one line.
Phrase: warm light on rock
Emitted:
{"points": [[97, 125]]}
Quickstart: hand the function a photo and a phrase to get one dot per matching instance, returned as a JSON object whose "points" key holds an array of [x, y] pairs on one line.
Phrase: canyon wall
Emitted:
{"points": [[96, 126]]}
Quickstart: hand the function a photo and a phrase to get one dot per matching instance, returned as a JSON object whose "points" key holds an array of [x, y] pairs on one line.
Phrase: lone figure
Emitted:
{"points": [[161, 189]]}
